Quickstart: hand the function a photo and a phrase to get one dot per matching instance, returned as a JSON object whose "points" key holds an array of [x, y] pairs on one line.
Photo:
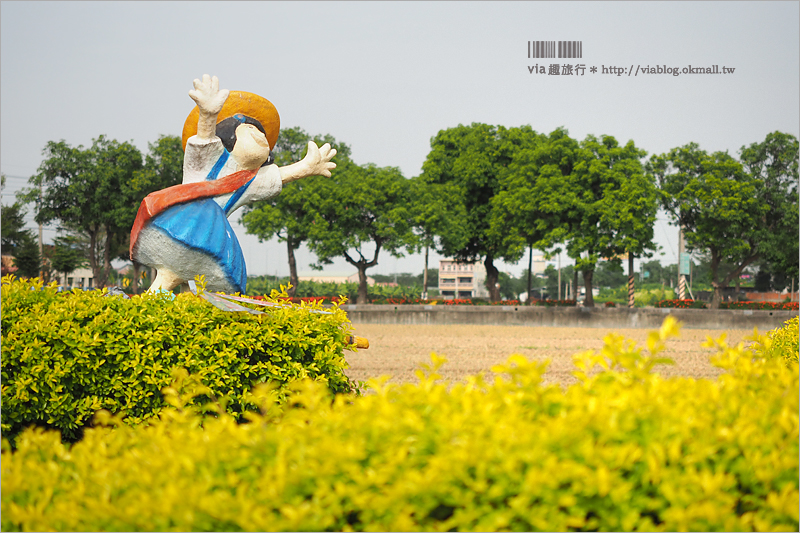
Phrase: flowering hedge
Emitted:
{"points": [[769, 306], [681, 304], [695, 304]]}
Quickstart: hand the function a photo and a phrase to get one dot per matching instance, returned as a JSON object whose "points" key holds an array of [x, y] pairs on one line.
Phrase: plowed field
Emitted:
{"points": [[397, 350]]}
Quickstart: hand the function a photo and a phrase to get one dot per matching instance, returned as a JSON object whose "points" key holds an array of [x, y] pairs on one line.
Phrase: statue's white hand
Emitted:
{"points": [[207, 95], [319, 160]]}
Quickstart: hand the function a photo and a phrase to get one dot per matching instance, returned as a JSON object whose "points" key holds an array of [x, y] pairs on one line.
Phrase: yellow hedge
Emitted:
{"points": [[623, 450], [67, 355]]}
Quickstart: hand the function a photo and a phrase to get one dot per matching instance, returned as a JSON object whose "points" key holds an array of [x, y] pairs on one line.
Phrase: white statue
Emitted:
{"points": [[183, 231]]}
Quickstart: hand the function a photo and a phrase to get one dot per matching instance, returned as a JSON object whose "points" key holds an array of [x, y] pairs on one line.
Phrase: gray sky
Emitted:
{"points": [[385, 77]]}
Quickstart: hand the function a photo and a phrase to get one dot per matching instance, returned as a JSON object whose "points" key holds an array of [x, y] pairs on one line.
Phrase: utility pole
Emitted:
{"points": [[530, 266], [681, 275], [41, 243], [425, 276], [559, 276]]}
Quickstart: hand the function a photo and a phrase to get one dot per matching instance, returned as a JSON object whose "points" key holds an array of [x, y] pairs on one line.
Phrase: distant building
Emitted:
{"points": [[462, 280], [82, 278], [323, 277], [538, 265], [8, 265]]}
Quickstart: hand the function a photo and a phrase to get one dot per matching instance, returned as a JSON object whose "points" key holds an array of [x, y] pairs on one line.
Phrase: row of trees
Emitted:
{"points": [[486, 193], [490, 192]]}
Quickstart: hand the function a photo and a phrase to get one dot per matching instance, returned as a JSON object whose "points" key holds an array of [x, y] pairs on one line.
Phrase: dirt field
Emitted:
{"points": [[397, 350]]}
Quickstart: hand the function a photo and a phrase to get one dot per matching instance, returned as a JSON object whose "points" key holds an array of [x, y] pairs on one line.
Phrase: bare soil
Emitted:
{"points": [[398, 350]]}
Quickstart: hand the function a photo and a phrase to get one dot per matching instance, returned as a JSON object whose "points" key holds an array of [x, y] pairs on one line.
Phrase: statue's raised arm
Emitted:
{"points": [[209, 100]]}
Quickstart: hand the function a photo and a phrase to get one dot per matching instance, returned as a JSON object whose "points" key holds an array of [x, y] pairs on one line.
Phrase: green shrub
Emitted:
{"points": [[648, 297], [781, 343], [622, 450], [256, 287], [67, 355]]}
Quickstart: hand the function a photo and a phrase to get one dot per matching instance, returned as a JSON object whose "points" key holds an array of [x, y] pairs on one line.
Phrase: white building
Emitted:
{"points": [[462, 280], [82, 278]]}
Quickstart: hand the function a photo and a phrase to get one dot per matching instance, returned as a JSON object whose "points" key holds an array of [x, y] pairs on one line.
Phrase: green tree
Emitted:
{"points": [[67, 254], [13, 226], [737, 214], [607, 205], [610, 274], [774, 165], [436, 210], [359, 206], [83, 189], [551, 280], [432, 276], [525, 214], [285, 216], [471, 160], [27, 258]]}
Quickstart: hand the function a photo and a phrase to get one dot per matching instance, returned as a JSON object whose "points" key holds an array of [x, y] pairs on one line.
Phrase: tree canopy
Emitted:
{"points": [[359, 208], [83, 189], [738, 213], [593, 197], [470, 161]]}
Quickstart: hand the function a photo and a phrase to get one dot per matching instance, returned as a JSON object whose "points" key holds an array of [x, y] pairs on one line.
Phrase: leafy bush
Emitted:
{"points": [[646, 297], [781, 343], [332, 291], [67, 355], [622, 450]]}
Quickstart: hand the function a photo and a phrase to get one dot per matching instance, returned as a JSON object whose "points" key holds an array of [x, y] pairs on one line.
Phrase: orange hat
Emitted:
{"points": [[247, 104]]}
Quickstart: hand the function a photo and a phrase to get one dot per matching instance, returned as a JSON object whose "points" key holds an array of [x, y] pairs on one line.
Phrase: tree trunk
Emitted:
{"points": [[575, 283], [93, 256], [718, 286], [135, 280], [492, 275], [714, 265], [106, 261], [293, 279], [362, 283], [587, 281], [362, 265]]}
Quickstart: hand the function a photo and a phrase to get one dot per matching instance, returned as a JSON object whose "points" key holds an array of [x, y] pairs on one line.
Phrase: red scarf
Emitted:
{"points": [[159, 201]]}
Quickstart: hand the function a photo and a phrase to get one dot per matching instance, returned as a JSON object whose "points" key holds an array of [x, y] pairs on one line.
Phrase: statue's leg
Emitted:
{"points": [[165, 280]]}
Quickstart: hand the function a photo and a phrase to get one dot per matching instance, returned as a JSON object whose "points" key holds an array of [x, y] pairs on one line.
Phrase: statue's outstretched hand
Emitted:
{"points": [[207, 95], [319, 159]]}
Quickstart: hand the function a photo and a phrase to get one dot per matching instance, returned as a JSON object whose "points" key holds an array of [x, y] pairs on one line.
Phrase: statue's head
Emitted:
{"points": [[244, 137], [248, 126]]}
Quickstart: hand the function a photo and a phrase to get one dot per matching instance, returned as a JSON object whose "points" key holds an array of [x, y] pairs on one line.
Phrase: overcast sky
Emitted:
{"points": [[385, 77]]}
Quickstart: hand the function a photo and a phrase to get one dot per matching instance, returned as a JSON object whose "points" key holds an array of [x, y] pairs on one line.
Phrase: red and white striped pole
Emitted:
{"points": [[630, 280]]}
